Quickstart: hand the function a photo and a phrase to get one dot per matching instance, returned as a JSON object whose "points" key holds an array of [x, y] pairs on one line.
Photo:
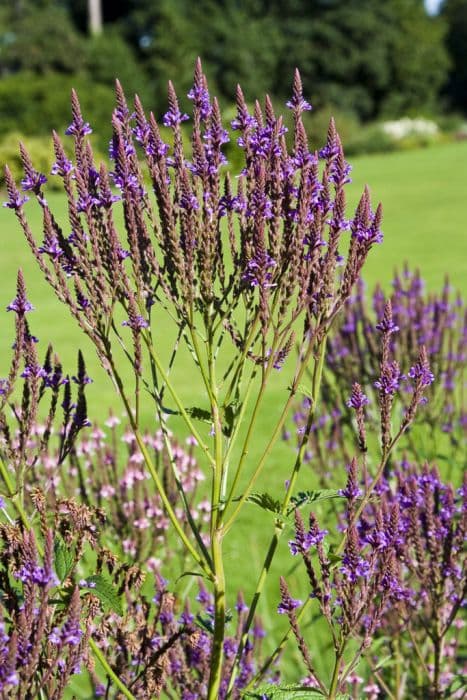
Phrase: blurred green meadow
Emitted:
{"points": [[424, 198]]}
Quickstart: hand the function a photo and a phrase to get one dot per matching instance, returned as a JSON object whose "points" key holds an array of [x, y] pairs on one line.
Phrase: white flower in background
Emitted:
{"points": [[401, 128]]}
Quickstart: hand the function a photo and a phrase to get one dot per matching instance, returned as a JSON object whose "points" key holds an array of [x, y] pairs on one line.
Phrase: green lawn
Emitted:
{"points": [[423, 193], [424, 198]]}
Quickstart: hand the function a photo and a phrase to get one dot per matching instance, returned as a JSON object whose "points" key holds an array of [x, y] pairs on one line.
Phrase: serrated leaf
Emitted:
{"points": [[199, 414], [304, 498], [230, 411], [103, 588], [283, 692], [63, 560], [265, 501]]}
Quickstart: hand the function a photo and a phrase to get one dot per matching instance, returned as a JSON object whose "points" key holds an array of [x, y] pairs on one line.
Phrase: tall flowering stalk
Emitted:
{"points": [[246, 268]]}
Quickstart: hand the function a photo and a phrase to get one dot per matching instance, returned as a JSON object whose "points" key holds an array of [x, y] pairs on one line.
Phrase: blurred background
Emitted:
{"points": [[368, 62]]}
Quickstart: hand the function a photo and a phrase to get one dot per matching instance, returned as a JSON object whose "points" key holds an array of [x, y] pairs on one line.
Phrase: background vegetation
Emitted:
{"points": [[362, 60]]}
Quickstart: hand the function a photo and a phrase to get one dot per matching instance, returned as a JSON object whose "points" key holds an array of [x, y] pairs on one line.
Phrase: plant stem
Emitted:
{"points": [[16, 500], [437, 648], [155, 476], [111, 674], [316, 383], [179, 404], [335, 675], [272, 441], [217, 651]]}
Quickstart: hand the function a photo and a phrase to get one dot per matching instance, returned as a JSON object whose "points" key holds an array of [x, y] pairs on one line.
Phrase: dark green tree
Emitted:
{"points": [[38, 37], [454, 13], [366, 56]]}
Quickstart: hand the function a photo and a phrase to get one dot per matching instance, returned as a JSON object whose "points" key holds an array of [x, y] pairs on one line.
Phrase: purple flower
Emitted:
{"points": [[228, 203], [32, 573], [52, 248], [16, 200], [136, 323], [200, 96], [387, 325], [33, 371], [288, 605], [33, 181], [357, 398], [82, 379], [298, 104], [54, 378], [390, 379], [86, 201], [62, 166], [174, 117], [297, 101], [354, 568], [303, 544], [259, 273], [421, 373], [189, 202], [78, 127], [20, 306]]}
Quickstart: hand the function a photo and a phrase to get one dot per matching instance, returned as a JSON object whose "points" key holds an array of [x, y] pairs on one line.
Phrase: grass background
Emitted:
{"points": [[424, 195]]}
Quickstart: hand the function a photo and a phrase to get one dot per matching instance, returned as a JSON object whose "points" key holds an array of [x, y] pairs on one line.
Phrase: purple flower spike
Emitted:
{"points": [[286, 606], [20, 304], [51, 248], [297, 102], [390, 379], [33, 182], [357, 398], [172, 118], [136, 323], [78, 128], [421, 371], [16, 201]]}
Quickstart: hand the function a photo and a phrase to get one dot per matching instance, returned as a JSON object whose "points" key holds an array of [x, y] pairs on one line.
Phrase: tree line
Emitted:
{"points": [[370, 58]]}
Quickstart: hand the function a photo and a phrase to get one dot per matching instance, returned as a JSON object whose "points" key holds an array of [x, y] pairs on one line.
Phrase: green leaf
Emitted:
{"points": [[197, 574], [288, 692], [265, 501], [199, 414], [230, 411], [335, 559], [304, 498], [283, 692], [63, 560], [103, 588]]}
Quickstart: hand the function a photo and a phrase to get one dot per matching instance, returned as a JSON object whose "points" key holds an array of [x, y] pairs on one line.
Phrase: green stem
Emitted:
{"points": [[316, 384], [111, 674], [250, 431], [16, 500], [276, 433], [437, 650], [335, 675], [217, 652], [155, 476], [179, 404]]}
